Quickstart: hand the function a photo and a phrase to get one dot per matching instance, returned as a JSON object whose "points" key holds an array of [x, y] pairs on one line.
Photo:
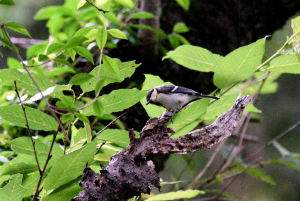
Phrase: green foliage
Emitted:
{"points": [[13, 191], [176, 195], [71, 71]]}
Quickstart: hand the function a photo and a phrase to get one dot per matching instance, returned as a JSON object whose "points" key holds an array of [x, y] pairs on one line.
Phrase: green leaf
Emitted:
{"points": [[13, 191], [141, 26], [17, 27], [119, 137], [84, 52], [98, 108], [60, 71], [239, 64], [82, 117], [14, 63], [46, 13], [190, 117], [117, 71], [80, 78], [88, 131], [142, 15], [29, 181], [195, 58], [70, 166], [285, 64], [251, 108], [117, 34], [36, 49], [296, 25], [8, 76], [101, 37], [23, 145], [37, 120], [126, 3], [180, 28], [74, 42], [7, 2], [55, 47], [66, 192], [4, 39], [118, 100], [254, 172], [185, 4], [218, 107], [176, 195], [99, 86], [81, 3]]}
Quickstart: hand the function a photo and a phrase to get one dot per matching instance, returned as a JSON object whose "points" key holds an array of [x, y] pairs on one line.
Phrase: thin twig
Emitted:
{"points": [[273, 140], [108, 125], [28, 128], [99, 148], [208, 164], [35, 83], [49, 156], [183, 170], [44, 62], [100, 9]]}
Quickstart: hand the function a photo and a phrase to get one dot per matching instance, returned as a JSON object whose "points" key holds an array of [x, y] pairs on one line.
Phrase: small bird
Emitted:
{"points": [[173, 98]]}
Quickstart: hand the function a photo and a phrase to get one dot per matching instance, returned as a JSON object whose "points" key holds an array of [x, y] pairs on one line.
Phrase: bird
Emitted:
{"points": [[174, 98]]}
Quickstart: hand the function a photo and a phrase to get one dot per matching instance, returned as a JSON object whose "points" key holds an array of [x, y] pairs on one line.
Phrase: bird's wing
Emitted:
{"points": [[175, 89]]}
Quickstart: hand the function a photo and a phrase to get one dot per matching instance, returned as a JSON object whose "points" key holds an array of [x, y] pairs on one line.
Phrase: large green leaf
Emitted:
{"points": [[66, 192], [8, 76], [239, 64], [13, 191], [110, 74], [119, 137], [189, 118], [218, 107], [101, 37], [195, 58], [82, 51], [74, 42], [80, 78], [117, 34], [176, 195], [285, 64], [17, 27], [296, 25], [117, 101], [24, 145], [29, 182], [70, 166], [37, 120], [254, 172]]}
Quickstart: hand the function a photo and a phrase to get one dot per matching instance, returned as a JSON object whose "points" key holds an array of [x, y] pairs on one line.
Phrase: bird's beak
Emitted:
{"points": [[147, 102]]}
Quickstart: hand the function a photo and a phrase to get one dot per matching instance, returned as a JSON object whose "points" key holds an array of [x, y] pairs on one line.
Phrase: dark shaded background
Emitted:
{"points": [[219, 26]]}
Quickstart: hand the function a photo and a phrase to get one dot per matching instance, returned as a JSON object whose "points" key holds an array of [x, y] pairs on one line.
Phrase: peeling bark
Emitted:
{"points": [[129, 174]]}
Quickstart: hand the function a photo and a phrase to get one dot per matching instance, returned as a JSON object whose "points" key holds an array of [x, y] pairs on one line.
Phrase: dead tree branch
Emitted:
{"points": [[129, 174]]}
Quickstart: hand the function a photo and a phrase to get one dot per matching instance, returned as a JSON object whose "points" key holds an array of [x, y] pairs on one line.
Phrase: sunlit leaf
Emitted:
{"points": [[119, 137], [176, 195], [142, 15], [37, 120], [239, 64], [70, 166], [13, 191], [117, 33], [180, 28], [285, 64], [80, 78], [84, 52], [296, 25], [195, 58], [101, 37], [17, 27], [185, 4]]}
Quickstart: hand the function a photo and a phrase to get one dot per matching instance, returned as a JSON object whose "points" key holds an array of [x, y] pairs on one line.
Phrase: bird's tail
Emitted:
{"points": [[208, 96]]}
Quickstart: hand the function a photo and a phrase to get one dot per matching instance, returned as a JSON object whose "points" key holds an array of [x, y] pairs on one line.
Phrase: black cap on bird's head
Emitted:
{"points": [[149, 96]]}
